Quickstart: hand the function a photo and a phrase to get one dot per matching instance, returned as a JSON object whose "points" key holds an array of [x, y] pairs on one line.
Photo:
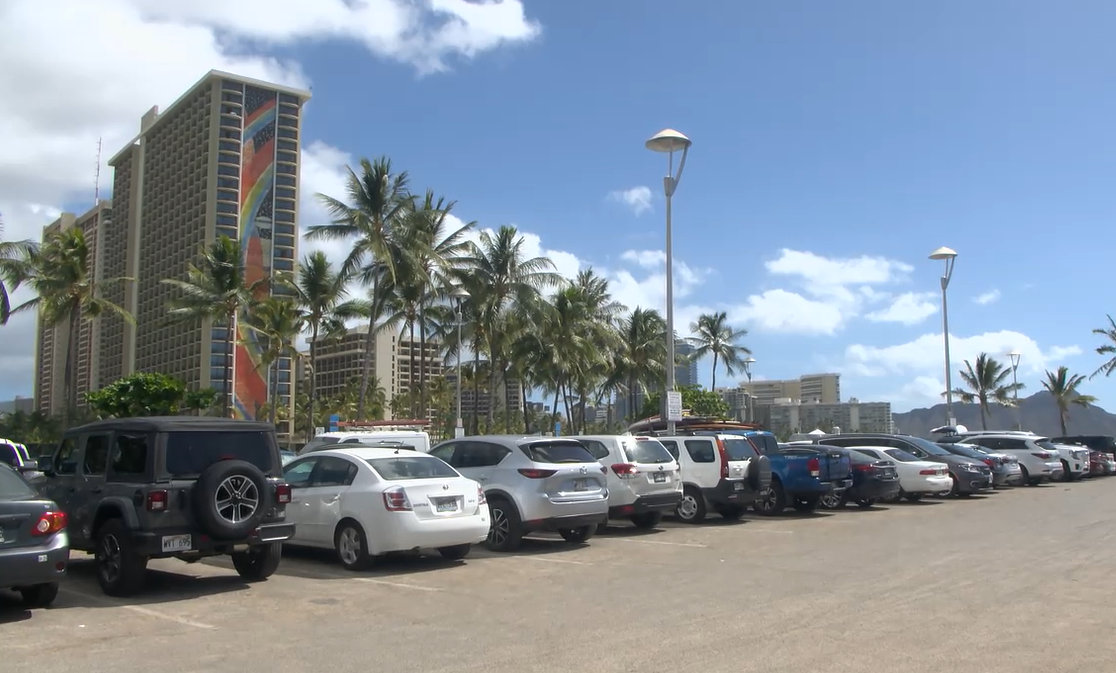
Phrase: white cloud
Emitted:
{"points": [[989, 297], [636, 198], [909, 308]]}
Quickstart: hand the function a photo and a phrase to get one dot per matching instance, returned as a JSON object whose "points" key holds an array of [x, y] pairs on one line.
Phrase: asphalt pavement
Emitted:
{"points": [[1021, 580]]}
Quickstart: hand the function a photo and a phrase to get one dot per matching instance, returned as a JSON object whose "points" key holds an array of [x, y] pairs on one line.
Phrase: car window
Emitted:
{"points": [[701, 450], [96, 455], [189, 453], [861, 458], [318, 443], [1049, 446], [739, 448], [671, 446], [400, 468], [647, 452], [765, 443], [557, 452], [13, 487], [129, 454], [925, 445], [9, 455], [598, 449], [445, 452], [846, 441], [65, 460], [297, 474], [867, 453], [481, 454], [901, 455], [334, 471], [965, 451]]}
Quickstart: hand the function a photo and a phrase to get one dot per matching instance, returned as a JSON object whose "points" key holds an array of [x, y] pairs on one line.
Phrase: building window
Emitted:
{"points": [[284, 229], [287, 132], [225, 169], [228, 145], [288, 98], [288, 169], [226, 195], [284, 264], [284, 253], [291, 157], [285, 193], [285, 204], [228, 183], [289, 145], [226, 221], [285, 180], [231, 86], [226, 207]]}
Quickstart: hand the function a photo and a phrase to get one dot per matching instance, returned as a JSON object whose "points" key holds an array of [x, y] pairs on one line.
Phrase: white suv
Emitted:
{"points": [[720, 472], [643, 481], [1075, 460], [1038, 459], [417, 440]]}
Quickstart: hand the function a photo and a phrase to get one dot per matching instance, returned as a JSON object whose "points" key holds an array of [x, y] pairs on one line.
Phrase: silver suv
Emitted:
{"points": [[532, 484]]}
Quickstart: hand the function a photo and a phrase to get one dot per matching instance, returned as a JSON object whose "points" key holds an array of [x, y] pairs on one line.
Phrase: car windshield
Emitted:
{"points": [[647, 451], [319, 443], [557, 452], [928, 446], [1046, 444], [901, 455], [959, 450], [738, 448], [401, 468], [13, 487], [190, 453]]}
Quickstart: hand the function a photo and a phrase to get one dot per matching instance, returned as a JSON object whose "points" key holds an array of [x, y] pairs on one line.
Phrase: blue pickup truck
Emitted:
{"points": [[801, 474]]}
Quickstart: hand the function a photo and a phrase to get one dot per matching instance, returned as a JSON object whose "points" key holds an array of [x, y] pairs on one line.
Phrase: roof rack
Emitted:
{"points": [[379, 426], [689, 424]]}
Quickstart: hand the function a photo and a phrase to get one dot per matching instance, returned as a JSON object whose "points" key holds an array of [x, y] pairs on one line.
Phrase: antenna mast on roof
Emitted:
{"points": [[97, 176]]}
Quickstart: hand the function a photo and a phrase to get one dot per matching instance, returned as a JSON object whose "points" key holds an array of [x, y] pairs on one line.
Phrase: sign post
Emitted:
{"points": [[673, 403]]}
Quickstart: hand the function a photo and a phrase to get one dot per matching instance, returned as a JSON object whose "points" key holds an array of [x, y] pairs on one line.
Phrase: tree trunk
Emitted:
{"points": [[230, 346], [493, 380], [1063, 418], [557, 391], [70, 371], [313, 378], [411, 387], [566, 399], [526, 420], [983, 416], [424, 407], [275, 392], [476, 388], [713, 382], [369, 350]]}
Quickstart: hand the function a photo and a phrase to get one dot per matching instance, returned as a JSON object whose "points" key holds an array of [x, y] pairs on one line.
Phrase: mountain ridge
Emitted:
{"points": [[1037, 413]]}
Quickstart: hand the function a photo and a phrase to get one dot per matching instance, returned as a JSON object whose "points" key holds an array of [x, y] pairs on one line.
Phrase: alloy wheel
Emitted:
{"points": [[236, 499], [687, 508], [108, 558], [348, 546], [500, 528]]}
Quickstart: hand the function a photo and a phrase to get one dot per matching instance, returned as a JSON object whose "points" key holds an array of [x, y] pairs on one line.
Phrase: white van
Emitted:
{"points": [[416, 440]]}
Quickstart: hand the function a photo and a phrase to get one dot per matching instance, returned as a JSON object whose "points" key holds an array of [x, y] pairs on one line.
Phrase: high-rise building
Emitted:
{"points": [[816, 388], [221, 160], [685, 373], [53, 343], [791, 416]]}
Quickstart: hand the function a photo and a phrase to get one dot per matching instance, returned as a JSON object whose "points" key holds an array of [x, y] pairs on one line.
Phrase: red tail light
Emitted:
{"points": [[930, 472], [989, 462], [814, 466], [395, 500], [283, 494], [625, 470], [482, 499], [723, 454], [532, 473], [863, 467], [49, 524], [157, 501], [1043, 455]]}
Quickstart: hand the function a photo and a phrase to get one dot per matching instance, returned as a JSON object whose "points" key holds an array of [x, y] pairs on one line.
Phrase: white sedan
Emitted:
{"points": [[916, 477], [367, 502]]}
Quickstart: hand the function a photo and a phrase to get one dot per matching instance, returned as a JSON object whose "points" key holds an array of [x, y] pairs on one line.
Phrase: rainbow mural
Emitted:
{"points": [[257, 193]]}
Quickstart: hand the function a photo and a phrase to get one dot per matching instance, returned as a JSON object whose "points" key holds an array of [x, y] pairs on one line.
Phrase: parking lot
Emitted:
{"points": [[1014, 581]]}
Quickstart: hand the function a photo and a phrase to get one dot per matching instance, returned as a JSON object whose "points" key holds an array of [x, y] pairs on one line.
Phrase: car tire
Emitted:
{"points": [[258, 563], [456, 552], [772, 501], [1025, 477], [120, 570], [351, 545], [731, 512], [646, 520], [505, 532], [691, 508], [244, 489], [833, 500], [912, 497], [865, 503], [807, 505], [39, 595], [1067, 476], [579, 535]]}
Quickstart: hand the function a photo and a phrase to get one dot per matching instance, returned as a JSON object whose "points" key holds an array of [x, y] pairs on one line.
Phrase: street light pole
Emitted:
{"points": [[1015, 357], [670, 141], [748, 362], [459, 296], [949, 256]]}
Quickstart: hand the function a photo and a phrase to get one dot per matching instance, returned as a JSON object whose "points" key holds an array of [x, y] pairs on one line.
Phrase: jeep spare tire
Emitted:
{"points": [[759, 474], [229, 499]]}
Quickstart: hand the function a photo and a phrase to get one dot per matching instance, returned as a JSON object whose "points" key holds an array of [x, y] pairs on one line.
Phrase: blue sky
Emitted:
{"points": [[835, 146]]}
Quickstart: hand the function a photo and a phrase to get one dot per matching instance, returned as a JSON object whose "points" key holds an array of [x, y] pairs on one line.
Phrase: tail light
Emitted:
{"points": [[989, 462], [157, 501], [814, 466], [625, 470], [49, 524], [1042, 455], [930, 472], [863, 467], [395, 500], [482, 499], [723, 454], [283, 494], [532, 473]]}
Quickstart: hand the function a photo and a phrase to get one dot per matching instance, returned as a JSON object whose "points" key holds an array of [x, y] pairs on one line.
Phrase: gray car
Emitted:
{"points": [[34, 547], [532, 484], [1005, 468], [969, 475]]}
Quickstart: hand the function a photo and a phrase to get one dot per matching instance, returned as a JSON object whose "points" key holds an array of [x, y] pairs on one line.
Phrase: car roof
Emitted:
{"points": [[171, 423], [372, 433], [367, 452], [518, 440]]}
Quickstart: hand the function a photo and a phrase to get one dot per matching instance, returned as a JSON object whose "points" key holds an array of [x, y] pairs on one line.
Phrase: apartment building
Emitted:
{"points": [[341, 361], [817, 388], [53, 342], [686, 372], [221, 160], [791, 416]]}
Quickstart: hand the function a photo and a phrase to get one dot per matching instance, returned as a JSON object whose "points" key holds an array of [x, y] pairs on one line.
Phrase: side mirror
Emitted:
{"points": [[45, 464]]}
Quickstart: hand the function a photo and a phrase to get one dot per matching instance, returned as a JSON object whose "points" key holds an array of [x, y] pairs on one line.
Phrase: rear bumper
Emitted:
{"points": [[562, 522], [658, 502], [730, 492], [815, 488], [874, 490], [973, 482], [201, 544], [28, 566], [408, 533]]}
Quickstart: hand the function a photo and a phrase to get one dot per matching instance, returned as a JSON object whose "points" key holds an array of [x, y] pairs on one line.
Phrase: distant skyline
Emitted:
{"points": [[835, 146]]}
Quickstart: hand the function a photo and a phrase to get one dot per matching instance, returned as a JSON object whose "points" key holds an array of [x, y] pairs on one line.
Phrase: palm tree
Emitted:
{"points": [[641, 358], [1063, 387], [67, 292], [216, 289], [713, 335], [1108, 349], [321, 293], [14, 259], [279, 322], [987, 382], [378, 201]]}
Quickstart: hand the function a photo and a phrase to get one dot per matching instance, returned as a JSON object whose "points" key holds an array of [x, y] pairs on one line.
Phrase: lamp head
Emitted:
{"points": [[943, 253], [1015, 356], [668, 140]]}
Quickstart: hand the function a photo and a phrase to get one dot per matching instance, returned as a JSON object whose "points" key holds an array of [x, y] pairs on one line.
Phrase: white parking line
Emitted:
{"points": [[141, 610], [399, 585], [556, 560], [671, 544]]}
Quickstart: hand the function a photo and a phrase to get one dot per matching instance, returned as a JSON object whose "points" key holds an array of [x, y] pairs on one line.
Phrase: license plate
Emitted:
{"points": [[1, 536], [172, 543], [447, 506], [659, 477], [581, 484], [738, 486]]}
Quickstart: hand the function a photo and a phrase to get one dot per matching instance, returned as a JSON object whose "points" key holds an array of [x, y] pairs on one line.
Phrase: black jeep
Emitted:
{"points": [[176, 486]]}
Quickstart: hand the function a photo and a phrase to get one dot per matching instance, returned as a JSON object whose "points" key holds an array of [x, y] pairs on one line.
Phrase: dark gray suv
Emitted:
{"points": [[170, 487], [969, 474]]}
